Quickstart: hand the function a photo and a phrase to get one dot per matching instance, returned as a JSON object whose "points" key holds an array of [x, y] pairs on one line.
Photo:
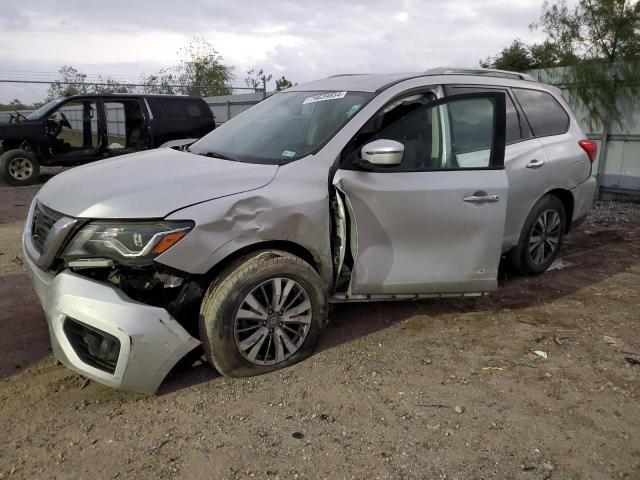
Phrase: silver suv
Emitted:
{"points": [[348, 189]]}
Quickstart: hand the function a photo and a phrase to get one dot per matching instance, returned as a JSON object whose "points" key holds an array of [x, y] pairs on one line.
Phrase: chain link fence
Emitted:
{"points": [[19, 96]]}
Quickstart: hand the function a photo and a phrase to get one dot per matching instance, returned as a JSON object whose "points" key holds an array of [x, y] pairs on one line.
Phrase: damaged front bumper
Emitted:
{"points": [[101, 333]]}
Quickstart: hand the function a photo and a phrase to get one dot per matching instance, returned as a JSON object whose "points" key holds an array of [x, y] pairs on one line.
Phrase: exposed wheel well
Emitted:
{"points": [[566, 197], [285, 245]]}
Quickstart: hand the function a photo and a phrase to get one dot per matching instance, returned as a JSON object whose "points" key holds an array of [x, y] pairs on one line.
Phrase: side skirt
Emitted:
{"points": [[345, 298]]}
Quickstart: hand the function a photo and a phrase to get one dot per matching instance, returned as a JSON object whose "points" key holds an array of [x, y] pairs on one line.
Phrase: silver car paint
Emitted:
{"points": [[151, 341], [293, 207], [416, 234], [239, 205], [149, 184]]}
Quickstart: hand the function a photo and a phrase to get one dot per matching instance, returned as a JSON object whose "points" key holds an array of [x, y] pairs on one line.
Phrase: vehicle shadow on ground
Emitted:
{"points": [[24, 335], [349, 322]]}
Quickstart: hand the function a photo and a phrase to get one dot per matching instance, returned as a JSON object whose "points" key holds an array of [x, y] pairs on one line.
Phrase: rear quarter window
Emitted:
{"points": [[181, 108], [545, 115]]}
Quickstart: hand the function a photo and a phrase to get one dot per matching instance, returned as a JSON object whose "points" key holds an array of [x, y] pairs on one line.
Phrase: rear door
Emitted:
{"points": [[523, 158], [433, 224]]}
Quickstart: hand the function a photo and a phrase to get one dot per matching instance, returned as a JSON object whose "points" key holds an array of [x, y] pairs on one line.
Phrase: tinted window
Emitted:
{"points": [[513, 132], [545, 115], [183, 108], [156, 110], [454, 135], [471, 128]]}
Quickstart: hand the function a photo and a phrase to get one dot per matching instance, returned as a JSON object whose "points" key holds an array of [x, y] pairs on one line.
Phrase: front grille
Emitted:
{"points": [[94, 347], [41, 223]]}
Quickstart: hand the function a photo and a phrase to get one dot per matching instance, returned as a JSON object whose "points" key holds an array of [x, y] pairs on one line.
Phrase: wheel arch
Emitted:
{"points": [[285, 245], [568, 202]]}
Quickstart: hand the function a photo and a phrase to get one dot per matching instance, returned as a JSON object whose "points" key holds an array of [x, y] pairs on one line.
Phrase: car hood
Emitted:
{"points": [[149, 184], [21, 130]]}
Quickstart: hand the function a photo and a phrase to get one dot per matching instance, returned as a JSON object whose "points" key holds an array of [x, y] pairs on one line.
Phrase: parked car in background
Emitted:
{"points": [[355, 188], [84, 128]]}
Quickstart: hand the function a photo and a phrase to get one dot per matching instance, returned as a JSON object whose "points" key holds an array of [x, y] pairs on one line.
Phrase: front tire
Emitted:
{"points": [[265, 312], [19, 167], [541, 237]]}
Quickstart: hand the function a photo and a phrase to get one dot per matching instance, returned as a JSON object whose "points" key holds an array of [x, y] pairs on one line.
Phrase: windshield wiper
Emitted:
{"points": [[218, 155]]}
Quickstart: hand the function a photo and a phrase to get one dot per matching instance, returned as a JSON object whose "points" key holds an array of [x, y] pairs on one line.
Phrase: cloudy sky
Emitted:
{"points": [[300, 39]]}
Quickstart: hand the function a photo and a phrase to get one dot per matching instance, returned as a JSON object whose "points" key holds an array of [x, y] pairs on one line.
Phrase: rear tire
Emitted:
{"points": [[241, 338], [541, 237], [19, 167]]}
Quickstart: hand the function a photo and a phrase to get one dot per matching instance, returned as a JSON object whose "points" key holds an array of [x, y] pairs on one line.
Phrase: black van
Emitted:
{"points": [[84, 128]]}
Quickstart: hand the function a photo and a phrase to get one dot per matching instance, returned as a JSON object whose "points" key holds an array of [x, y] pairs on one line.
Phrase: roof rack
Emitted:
{"points": [[488, 72]]}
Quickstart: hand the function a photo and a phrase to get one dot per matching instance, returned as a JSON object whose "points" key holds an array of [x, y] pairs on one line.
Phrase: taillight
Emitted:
{"points": [[590, 147]]}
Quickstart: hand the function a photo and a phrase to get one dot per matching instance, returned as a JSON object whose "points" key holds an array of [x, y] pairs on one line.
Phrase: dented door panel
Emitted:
{"points": [[416, 234]]}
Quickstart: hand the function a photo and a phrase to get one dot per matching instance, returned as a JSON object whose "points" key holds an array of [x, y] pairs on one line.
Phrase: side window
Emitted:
{"points": [[404, 120], [156, 109], [546, 116], [471, 123], [455, 134], [513, 131], [182, 108]]}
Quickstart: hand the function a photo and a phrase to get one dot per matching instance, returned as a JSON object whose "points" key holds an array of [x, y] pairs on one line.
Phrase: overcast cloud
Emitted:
{"points": [[301, 40]]}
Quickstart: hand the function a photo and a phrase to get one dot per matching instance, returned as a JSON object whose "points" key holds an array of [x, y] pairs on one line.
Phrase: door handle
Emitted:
{"points": [[481, 197], [535, 163]]}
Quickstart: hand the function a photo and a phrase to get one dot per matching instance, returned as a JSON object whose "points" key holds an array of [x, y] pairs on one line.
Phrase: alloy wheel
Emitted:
{"points": [[21, 168], [545, 236], [273, 321]]}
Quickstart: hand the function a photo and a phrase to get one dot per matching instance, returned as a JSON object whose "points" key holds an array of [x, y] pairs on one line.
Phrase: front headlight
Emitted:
{"points": [[134, 244]]}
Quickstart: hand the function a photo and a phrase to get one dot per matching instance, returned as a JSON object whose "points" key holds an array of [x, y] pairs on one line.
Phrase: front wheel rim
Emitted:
{"points": [[21, 168], [545, 237], [273, 321]]}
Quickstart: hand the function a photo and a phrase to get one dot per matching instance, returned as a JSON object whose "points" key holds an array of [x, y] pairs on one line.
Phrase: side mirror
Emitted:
{"points": [[383, 153]]}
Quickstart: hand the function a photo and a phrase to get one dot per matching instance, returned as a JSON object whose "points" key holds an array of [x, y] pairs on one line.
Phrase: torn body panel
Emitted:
{"points": [[149, 340], [292, 208], [345, 242]]}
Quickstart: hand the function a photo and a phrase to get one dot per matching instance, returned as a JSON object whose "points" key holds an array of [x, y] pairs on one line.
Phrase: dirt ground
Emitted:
{"points": [[442, 389]]}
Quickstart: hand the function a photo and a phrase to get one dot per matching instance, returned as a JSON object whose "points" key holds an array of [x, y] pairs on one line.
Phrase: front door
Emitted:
{"points": [[75, 130], [434, 223]]}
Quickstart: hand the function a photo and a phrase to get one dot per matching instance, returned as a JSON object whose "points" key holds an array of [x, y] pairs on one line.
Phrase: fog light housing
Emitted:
{"points": [[93, 346]]}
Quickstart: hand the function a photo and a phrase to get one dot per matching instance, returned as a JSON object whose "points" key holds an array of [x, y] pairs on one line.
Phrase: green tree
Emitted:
{"points": [[257, 79], [547, 55], [14, 104], [160, 83], [516, 57], [601, 41], [283, 83], [109, 85], [520, 57], [200, 72], [71, 82]]}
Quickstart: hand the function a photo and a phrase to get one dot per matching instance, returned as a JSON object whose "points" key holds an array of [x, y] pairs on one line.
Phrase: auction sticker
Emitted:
{"points": [[324, 97]]}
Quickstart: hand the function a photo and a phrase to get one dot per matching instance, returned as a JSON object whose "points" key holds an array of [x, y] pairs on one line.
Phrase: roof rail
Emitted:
{"points": [[488, 72], [346, 75]]}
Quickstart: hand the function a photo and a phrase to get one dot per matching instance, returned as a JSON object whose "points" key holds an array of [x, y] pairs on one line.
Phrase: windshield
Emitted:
{"points": [[43, 109], [283, 128]]}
